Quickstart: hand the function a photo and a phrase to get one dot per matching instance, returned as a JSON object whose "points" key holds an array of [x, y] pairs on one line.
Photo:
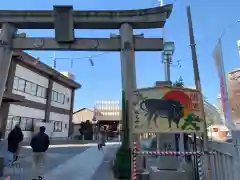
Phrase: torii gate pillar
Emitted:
{"points": [[6, 35]]}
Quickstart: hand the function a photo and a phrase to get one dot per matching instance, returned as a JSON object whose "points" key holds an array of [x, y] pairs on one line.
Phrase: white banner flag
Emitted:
{"points": [[217, 55], [218, 58]]}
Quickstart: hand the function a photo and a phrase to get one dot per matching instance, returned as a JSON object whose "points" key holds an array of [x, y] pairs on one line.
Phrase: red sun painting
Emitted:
{"points": [[180, 96]]}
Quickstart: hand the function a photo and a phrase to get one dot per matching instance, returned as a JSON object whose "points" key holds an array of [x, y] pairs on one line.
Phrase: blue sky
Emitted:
{"points": [[103, 80]]}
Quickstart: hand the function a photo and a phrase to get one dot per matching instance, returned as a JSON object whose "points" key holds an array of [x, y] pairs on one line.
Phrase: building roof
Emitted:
{"points": [[81, 110], [35, 63], [234, 71]]}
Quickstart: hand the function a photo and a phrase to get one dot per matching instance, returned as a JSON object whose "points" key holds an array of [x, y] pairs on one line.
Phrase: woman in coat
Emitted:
{"points": [[14, 138], [101, 140]]}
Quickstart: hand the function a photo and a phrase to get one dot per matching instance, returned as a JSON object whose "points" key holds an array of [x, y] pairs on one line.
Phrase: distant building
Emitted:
{"points": [[218, 132], [234, 94], [213, 116], [107, 110], [233, 83], [36, 95], [106, 113], [82, 115], [79, 116]]}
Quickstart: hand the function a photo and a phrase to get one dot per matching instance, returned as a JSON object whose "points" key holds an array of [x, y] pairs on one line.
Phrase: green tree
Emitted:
{"points": [[179, 83]]}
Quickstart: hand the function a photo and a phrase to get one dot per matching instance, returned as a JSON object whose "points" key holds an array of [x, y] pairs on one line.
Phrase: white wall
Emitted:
{"points": [[67, 92], [47, 125], [30, 97], [108, 118], [17, 110], [64, 118], [32, 77]]}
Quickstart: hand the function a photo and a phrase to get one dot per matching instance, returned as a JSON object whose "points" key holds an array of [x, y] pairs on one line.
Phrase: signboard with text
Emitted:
{"points": [[167, 109]]}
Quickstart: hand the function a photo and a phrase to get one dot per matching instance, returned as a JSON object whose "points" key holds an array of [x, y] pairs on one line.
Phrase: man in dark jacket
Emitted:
{"points": [[39, 143], [14, 138]]}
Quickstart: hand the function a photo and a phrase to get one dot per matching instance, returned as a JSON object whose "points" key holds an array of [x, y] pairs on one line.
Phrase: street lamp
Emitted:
{"points": [[168, 51]]}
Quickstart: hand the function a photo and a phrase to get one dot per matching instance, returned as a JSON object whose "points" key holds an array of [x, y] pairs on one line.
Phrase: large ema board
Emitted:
{"points": [[168, 110]]}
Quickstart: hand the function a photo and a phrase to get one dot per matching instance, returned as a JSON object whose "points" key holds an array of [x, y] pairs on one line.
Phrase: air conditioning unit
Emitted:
{"points": [[69, 75]]}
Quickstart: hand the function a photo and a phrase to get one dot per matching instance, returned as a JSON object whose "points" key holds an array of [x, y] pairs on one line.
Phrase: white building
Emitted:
{"points": [[37, 95], [212, 113]]}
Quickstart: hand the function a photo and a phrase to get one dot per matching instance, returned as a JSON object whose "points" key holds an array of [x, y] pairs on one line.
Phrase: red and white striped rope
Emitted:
{"points": [[171, 153], [134, 166]]}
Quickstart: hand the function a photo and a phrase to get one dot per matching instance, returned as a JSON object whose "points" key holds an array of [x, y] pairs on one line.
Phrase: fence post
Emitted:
{"points": [[236, 155]]}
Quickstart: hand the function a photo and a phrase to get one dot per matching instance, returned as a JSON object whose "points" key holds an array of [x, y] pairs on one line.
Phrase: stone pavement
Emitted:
{"points": [[77, 162], [82, 166], [104, 171], [55, 157]]}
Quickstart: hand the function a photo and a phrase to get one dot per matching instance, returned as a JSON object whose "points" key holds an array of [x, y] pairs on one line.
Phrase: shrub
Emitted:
{"points": [[122, 164]]}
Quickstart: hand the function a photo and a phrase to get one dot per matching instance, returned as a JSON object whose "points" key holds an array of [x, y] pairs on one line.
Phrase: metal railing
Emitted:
{"points": [[222, 163]]}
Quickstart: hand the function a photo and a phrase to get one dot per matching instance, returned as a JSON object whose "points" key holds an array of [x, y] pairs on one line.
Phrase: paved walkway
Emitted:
{"points": [[55, 157], [104, 171], [79, 163], [84, 166]]}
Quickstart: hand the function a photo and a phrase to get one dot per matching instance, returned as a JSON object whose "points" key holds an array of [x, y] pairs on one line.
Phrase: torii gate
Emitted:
{"points": [[64, 20]]}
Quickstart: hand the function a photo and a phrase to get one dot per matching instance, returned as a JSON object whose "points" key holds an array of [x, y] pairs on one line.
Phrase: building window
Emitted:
{"points": [[26, 124], [21, 84], [57, 126], [29, 124], [61, 98], [23, 123], [9, 123], [15, 83], [16, 120], [54, 96], [29, 87], [33, 89], [58, 97], [41, 91]]}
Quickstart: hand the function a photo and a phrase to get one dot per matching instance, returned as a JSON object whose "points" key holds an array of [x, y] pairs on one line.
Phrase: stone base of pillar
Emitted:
{"points": [[144, 175], [156, 173], [167, 143], [167, 162]]}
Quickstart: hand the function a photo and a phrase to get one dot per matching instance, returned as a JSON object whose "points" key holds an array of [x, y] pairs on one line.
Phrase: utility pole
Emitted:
{"points": [[198, 87]]}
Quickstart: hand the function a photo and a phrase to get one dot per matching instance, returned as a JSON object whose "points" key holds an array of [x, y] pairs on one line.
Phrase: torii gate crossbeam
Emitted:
{"points": [[104, 19], [86, 44]]}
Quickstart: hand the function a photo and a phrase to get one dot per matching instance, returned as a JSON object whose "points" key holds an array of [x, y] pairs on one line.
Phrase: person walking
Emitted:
{"points": [[14, 139], [39, 143], [101, 140]]}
